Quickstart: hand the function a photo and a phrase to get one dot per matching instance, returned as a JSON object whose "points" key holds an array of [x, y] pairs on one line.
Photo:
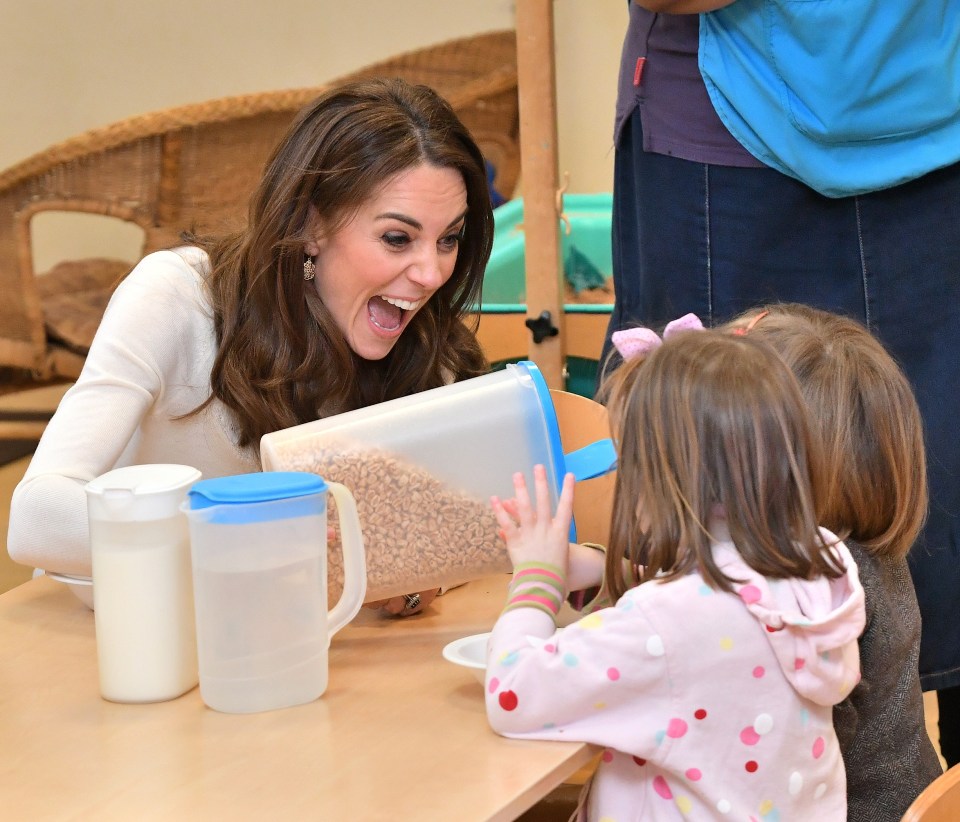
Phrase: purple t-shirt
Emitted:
{"points": [[659, 73]]}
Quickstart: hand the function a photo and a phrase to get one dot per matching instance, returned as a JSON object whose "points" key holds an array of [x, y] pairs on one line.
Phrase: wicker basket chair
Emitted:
{"points": [[193, 168]]}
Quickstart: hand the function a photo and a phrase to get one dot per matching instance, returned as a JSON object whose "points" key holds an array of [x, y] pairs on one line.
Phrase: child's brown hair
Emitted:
{"points": [[710, 422], [867, 418]]}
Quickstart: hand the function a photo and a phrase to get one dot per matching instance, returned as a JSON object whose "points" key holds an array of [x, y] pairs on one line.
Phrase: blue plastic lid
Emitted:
{"points": [[553, 431], [585, 463], [549, 418], [266, 486]]}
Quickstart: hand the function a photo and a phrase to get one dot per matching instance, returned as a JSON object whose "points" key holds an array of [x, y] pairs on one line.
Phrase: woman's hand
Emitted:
{"points": [[406, 605], [531, 533]]}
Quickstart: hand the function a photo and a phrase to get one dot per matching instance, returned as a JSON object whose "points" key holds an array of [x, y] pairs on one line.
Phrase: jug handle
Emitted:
{"points": [[354, 562]]}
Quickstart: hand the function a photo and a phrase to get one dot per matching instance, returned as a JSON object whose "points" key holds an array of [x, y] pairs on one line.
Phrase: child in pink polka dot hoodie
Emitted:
{"points": [[710, 683]]}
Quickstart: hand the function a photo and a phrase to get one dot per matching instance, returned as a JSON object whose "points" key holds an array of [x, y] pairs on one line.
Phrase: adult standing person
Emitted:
{"points": [[365, 248], [808, 152]]}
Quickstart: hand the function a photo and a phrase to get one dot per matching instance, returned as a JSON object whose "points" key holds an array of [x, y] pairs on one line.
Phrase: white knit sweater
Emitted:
{"points": [[149, 362]]}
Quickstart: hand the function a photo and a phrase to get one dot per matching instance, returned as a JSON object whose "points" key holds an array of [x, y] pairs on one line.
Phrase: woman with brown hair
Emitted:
{"points": [[365, 248]]}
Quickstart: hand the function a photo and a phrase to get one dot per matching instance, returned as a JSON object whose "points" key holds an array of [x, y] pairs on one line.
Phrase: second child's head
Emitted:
{"points": [[712, 434], [866, 417]]}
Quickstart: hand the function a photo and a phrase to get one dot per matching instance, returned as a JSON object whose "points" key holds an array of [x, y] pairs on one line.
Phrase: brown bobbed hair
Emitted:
{"points": [[281, 360], [710, 422], [866, 415]]}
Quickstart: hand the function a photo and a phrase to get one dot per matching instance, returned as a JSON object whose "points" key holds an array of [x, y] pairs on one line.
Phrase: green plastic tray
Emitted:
{"points": [[504, 283]]}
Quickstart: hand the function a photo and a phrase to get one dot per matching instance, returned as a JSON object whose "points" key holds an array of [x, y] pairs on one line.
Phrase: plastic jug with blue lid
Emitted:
{"points": [[260, 572]]}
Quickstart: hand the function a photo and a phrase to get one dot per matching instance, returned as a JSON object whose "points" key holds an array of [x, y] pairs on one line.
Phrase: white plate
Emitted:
{"points": [[82, 587], [469, 652]]}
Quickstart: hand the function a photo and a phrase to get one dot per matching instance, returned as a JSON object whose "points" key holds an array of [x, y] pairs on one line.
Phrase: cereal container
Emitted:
{"points": [[423, 468]]}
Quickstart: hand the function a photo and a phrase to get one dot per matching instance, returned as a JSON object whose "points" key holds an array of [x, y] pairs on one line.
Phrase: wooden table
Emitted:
{"points": [[400, 734]]}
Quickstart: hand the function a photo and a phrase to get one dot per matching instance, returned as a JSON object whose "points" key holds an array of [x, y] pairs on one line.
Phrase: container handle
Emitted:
{"points": [[594, 460], [354, 562]]}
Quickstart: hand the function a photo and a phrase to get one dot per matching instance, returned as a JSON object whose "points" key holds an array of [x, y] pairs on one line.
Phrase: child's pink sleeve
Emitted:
{"points": [[582, 682]]}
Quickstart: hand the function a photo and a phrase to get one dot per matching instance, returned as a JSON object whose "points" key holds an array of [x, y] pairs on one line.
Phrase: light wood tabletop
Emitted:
{"points": [[400, 734]]}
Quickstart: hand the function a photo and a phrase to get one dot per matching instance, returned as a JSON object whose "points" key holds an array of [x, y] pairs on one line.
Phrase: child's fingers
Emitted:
{"points": [[542, 491], [565, 503], [510, 506], [504, 520], [522, 499]]}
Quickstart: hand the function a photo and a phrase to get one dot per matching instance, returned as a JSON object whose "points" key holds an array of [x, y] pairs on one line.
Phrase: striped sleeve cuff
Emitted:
{"points": [[537, 585]]}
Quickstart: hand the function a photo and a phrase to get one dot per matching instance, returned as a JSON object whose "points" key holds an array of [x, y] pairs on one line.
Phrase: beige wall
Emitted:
{"points": [[70, 65]]}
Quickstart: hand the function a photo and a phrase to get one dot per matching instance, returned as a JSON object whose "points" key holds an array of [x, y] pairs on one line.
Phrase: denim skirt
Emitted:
{"points": [[717, 240]]}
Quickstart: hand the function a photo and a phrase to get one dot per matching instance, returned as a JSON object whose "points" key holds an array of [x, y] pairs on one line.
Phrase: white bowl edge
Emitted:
{"points": [[81, 587], [469, 652]]}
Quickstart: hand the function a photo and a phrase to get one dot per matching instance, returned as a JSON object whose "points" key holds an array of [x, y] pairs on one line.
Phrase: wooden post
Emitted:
{"points": [[536, 80]]}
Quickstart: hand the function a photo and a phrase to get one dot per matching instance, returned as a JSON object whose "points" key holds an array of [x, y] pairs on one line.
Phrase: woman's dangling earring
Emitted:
{"points": [[309, 268]]}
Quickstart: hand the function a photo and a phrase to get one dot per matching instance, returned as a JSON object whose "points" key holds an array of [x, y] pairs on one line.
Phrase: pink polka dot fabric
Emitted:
{"points": [[704, 704]]}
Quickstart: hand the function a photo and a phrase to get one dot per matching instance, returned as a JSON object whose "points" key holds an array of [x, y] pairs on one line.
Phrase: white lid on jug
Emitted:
{"points": [[140, 492]]}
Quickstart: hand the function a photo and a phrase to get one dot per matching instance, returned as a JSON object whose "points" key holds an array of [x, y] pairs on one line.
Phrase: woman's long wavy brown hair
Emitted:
{"points": [[866, 415], [709, 419], [281, 360]]}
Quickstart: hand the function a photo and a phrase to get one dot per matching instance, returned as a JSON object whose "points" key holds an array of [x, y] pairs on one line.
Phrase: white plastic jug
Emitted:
{"points": [[142, 591], [259, 547]]}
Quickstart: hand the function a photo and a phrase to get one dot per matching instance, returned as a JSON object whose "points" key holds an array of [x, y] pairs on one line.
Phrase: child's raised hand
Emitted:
{"points": [[531, 533]]}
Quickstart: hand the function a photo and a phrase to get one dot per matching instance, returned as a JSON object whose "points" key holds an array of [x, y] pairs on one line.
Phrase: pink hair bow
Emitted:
{"points": [[633, 341]]}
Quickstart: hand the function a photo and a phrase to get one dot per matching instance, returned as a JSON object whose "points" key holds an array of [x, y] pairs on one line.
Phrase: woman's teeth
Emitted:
{"points": [[406, 305]]}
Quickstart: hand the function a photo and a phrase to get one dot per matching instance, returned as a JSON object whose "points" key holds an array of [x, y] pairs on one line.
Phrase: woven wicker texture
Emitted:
{"points": [[193, 167]]}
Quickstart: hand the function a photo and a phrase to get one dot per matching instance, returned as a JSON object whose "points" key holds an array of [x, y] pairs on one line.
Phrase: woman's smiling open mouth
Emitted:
{"points": [[388, 313]]}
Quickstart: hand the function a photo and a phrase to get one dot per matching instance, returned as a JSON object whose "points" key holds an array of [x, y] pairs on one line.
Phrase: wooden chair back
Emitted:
{"points": [[939, 801], [583, 421]]}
